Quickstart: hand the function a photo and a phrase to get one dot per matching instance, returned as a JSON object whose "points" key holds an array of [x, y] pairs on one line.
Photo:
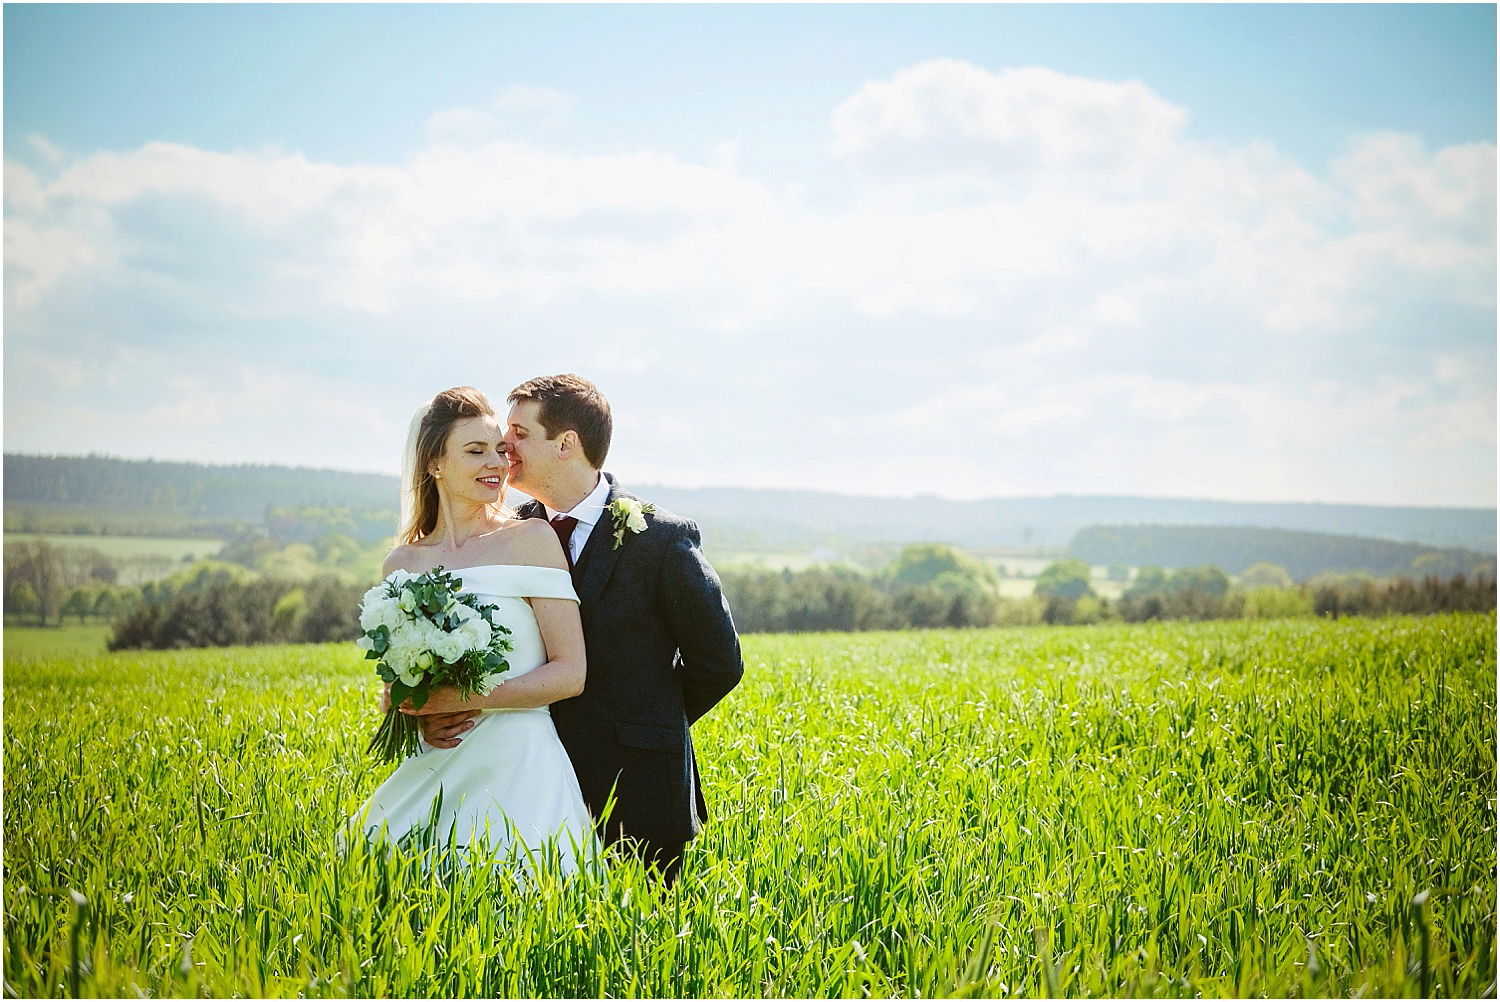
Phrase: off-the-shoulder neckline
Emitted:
{"points": [[529, 567], [480, 567]]}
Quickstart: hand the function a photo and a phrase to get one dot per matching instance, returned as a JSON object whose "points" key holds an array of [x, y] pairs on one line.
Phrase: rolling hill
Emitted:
{"points": [[124, 496]]}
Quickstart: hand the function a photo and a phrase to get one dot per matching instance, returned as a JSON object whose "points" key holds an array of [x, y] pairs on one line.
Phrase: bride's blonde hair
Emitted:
{"points": [[448, 408]]}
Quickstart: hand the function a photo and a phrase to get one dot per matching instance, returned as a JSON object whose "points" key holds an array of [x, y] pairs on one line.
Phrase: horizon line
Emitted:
{"points": [[800, 490]]}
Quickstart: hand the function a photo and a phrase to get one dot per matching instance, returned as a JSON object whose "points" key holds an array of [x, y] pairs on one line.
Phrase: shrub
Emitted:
{"points": [[21, 599], [1066, 579], [1266, 602], [1266, 574], [1353, 597], [218, 612], [766, 601], [1187, 593], [927, 563], [1090, 609], [1019, 611]]}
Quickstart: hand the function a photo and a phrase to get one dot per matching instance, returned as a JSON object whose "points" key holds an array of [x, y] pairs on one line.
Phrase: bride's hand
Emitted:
{"points": [[443, 730], [445, 717], [442, 700]]}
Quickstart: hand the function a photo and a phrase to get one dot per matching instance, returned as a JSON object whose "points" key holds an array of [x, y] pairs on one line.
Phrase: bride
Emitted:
{"points": [[508, 781]]}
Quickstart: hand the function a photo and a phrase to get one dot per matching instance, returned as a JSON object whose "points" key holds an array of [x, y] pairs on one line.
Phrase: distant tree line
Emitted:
{"points": [[245, 490], [927, 585], [1304, 555], [309, 592], [43, 583], [310, 523], [1187, 593], [47, 584], [1403, 596], [932, 586]]}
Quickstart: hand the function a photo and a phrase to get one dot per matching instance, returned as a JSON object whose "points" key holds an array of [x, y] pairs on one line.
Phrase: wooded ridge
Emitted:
{"points": [[108, 493], [1302, 554]]}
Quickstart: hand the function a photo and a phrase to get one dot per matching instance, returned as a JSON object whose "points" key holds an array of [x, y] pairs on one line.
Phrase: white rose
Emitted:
{"points": [[372, 608], [478, 631], [405, 646], [432, 635], [398, 658], [449, 648], [636, 522], [411, 677]]}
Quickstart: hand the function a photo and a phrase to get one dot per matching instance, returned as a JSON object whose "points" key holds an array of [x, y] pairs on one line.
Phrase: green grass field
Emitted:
{"points": [[1240, 808]]}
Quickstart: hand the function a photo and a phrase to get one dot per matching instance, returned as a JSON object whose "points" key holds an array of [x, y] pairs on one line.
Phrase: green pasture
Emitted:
{"points": [[774, 560], [127, 547], [1226, 809], [73, 640]]}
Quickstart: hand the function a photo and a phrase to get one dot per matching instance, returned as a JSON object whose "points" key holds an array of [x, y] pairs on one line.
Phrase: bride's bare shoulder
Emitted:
{"points": [[532, 541], [406, 557]]}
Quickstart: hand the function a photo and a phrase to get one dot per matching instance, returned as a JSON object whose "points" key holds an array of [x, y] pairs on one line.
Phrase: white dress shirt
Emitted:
{"points": [[588, 512]]}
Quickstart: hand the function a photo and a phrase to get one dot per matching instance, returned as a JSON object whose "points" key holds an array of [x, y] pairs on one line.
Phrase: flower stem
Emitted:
{"points": [[397, 737]]}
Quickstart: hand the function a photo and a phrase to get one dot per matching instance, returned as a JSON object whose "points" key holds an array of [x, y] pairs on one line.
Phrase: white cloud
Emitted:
{"points": [[1028, 263], [516, 110], [1019, 128], [49, 151]]}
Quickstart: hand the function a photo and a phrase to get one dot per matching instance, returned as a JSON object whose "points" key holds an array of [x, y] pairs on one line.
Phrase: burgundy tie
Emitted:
{"points": [[563, 526]]}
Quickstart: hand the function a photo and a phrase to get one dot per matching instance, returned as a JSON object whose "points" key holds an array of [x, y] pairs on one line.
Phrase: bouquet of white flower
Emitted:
{"points": [[425, 632]]}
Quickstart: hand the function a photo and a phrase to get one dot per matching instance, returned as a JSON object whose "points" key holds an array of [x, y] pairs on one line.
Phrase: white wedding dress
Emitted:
{"points": [[509, 783]]}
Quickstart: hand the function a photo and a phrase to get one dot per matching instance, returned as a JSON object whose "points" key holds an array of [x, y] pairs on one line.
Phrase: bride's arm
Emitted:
{"points": [[563, 674]]}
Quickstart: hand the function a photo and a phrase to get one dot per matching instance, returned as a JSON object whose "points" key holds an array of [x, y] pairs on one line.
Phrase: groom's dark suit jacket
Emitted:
{"points": [[662, 650]]}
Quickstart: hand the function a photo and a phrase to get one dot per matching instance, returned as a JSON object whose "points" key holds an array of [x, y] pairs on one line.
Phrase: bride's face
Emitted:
{"points": [[473, 466]]}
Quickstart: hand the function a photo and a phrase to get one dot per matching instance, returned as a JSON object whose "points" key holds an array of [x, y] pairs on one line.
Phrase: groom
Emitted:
{"points": [[661, 646]]}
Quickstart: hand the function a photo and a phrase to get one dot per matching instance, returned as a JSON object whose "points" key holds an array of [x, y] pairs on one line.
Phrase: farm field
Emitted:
{"points": [[777, 560], [1235, 808], [73, 640], [127, 547]]}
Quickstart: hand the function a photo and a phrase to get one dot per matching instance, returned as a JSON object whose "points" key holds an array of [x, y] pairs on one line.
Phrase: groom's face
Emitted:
{"points": [[533, 457]]}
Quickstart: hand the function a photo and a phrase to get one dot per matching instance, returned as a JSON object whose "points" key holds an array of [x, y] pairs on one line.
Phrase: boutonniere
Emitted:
{"points": [[628, 513]]}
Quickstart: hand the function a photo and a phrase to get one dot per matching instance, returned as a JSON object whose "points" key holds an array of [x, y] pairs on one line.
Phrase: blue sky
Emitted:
{"points": [[1214, 251]]}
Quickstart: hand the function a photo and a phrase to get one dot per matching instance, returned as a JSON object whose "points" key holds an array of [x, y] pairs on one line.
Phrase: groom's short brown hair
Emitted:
{"points": [[571, 403]]}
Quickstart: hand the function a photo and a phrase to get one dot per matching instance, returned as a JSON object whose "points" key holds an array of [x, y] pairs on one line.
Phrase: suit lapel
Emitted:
{"points": [[597, 561]]}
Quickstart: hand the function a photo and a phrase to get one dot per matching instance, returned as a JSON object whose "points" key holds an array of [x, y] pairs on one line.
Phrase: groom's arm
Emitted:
{"points": [[701, 625]]}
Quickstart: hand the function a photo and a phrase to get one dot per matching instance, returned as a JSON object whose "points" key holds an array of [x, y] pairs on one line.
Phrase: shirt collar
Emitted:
{"points": [[590, 508]]}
